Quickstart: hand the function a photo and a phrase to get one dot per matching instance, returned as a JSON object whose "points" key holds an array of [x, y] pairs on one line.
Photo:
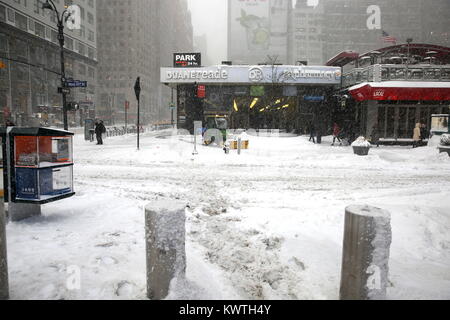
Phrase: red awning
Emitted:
{"points": [[401, 90]]}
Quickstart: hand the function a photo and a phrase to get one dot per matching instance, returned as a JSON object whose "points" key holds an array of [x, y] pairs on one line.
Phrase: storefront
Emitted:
{"points": [[395, 107], [259, 97]]}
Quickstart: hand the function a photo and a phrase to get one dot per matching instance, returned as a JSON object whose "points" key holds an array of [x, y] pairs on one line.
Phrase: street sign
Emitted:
{"points": [[172, 105], [137, 87], [63, 90], [75, 84], [201, 91]]}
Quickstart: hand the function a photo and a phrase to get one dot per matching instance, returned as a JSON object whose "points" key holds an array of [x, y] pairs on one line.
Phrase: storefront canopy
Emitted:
{"points": [[401, 90], [266, 74]]}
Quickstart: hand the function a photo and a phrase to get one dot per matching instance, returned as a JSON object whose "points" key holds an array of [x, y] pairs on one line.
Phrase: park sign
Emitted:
{"points": [[187, 60]]}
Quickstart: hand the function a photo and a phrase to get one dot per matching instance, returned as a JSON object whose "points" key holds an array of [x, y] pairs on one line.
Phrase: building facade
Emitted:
{"points": [[307, 22], [30, 56], [136, 38], [259, 31], [359, 24], [324, 28]]}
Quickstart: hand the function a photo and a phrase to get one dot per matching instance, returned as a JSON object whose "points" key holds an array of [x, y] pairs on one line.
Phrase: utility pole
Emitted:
{"points": [[61, 18], [137, 90]]}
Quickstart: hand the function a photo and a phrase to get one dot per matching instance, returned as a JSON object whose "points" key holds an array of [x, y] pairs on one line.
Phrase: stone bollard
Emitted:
{"points": [[365, 257], [22, 211], [4, 287], [165, 245], [239, 147]]}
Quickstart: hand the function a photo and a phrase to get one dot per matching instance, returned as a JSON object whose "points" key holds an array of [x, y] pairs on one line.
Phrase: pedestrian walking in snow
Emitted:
{"points": [[423, 133], [336, 134], [416, 135], [312, 134], [375, 135], [99, 130]]}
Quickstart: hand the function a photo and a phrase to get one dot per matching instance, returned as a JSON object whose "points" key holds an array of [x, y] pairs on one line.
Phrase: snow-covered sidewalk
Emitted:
{"points": [[267, 224]]}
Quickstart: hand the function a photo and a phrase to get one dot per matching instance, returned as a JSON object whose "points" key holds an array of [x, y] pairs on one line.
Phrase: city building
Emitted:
{"points": [[259, 31], [30, 60], [135, 39], [201, 45], [391, 89], [307, 28], [365, 25]]}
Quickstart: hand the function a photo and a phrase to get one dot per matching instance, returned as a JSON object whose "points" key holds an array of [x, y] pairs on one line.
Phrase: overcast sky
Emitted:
{"points": [[210, 17]]}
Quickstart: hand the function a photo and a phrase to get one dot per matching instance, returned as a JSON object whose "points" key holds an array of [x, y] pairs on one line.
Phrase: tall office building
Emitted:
{"points": [[30, 60], [307, 28], [201, 45], [259, 31], [135, 39], [359, 24], [332, 26]]}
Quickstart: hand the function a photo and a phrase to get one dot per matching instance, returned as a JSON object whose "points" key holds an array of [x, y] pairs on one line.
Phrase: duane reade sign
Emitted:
{"points": [[187, 60], [254, 75]]}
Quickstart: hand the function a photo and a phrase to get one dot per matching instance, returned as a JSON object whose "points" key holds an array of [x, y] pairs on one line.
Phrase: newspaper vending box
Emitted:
{"points": [[40, 165]]}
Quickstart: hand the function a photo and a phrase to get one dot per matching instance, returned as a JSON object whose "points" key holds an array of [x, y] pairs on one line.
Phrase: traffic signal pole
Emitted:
{"points": [[137, 91]]}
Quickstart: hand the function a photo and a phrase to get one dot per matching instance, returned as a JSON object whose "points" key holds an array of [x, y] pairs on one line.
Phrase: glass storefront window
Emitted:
{"points": [[397, 73], [432, 74], [384, 73], [445, 74], [415, 74], [402, 126]]}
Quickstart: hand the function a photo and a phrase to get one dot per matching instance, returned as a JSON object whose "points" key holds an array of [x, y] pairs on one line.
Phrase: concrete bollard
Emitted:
{"points": [[239, 145], [165, 245], [4, 286], [22, 211], [365, 257]]}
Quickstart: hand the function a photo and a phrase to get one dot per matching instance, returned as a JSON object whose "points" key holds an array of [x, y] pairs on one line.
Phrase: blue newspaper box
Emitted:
{"points": [[40, 165]]}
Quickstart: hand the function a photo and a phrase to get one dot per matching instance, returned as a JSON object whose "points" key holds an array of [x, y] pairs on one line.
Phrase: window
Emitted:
{"points": [[90, 18], [81, 48], [82, 69], [11, 16], [21, 22], [91, 72], [2, 13], [39, 29], [445, 74], [91, 36], [3, 42], [82, 32], [69, 43]]}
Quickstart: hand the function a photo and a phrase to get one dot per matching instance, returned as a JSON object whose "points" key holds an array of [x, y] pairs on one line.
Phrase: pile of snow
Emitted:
{"points": [[445, 140], [244, 136], [361, 142], [267, 224]]}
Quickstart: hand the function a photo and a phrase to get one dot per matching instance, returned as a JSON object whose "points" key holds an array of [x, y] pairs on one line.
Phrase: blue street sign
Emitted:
{"points": [[75, 84], [314, 98]]}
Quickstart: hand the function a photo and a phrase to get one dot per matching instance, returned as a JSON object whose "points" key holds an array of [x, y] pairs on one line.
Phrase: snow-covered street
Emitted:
{"points": [[266, 224]]}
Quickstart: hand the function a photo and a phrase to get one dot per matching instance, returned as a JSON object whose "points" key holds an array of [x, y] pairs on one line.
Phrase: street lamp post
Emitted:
{"points": [[49, 4]]}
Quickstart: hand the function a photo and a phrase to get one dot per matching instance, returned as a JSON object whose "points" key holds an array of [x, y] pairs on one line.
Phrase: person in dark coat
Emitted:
{"points": [[336, 134], [375, 136], [312, 129], [423, 133], [99, 130]]}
